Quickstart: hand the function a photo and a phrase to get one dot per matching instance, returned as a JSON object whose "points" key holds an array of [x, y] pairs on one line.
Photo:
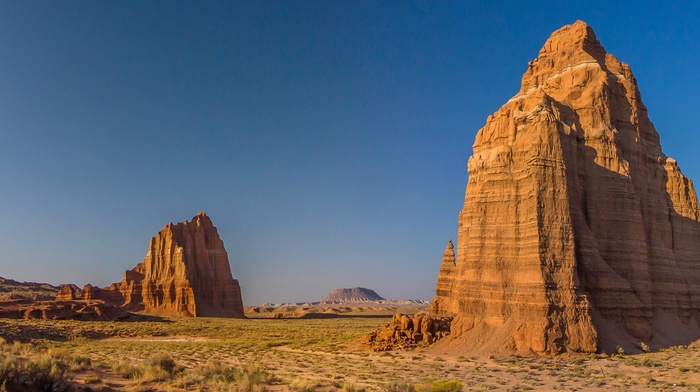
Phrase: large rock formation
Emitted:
{"points": [[577, 232], [185, 273], [357, 294]]}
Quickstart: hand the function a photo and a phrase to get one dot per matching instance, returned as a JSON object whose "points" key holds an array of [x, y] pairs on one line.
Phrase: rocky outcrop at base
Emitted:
{"points": [[409, 331]]}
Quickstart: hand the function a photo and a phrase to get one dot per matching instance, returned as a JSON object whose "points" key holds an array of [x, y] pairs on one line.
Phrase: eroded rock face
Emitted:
{"points": [[446, 279], [186, 272], [68, 292], [577, 232]]}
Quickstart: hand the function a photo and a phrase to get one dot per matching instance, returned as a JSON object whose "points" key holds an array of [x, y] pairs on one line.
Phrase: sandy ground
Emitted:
{"points": [[326, 355]]}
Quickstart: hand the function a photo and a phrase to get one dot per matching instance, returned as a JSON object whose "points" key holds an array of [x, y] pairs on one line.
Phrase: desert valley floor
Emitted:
{"points": [[324, 354]]}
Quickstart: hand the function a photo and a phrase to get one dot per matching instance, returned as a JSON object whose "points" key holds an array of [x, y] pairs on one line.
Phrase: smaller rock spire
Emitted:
{"points": [[449, 245], [445, 281]]}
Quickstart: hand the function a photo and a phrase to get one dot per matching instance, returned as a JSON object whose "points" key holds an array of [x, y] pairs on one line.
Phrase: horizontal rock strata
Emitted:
{"points": [[186, 272], [577, 232]]}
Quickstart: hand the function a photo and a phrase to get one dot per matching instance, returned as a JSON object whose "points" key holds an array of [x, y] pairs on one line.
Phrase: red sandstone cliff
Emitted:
{"points": [[577, 232], [186, 272]]}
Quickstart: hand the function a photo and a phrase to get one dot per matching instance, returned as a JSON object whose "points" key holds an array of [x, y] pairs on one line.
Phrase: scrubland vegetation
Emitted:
{"points": [[297, 355]]}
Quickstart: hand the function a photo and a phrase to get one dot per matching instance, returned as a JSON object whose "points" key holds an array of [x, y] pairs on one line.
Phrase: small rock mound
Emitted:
{"points": [[357, 294], [406, 332]]}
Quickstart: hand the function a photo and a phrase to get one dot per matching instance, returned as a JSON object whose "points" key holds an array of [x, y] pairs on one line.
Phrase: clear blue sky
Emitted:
{"points": [[327, 140]]}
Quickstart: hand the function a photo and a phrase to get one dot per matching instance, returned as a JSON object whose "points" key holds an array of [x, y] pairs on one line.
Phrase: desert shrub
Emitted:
{"points": [[446, 386], [247, 379], [127, 370], [215, 371], [59, 353], [164, 363], [153, 373], [349, 387], [439, 386], [79, 362], [649, 362], [400, 386], [44, 374], [158, 368], [303, 386], [39, 374], [8, 365], [252, 379], [18, 348]]}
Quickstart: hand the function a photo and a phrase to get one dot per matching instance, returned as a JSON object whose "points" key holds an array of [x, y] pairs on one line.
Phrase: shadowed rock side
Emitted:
{"points": [[577, 232], [186, 272]]}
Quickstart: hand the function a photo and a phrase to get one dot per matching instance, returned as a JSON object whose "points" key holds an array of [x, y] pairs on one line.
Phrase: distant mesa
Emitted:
{"points": [[577, 233], [357, 294]]}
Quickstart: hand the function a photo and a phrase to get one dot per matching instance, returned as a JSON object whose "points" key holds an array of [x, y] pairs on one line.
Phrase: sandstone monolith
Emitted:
{"points": [[577, 233], [186, 272]]}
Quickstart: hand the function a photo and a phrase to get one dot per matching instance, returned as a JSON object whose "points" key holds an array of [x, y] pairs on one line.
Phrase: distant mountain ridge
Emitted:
{"points": [[11, 289]]}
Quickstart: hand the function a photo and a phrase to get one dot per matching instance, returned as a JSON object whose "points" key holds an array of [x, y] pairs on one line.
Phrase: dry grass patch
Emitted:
{"points": [[307, 355]]}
